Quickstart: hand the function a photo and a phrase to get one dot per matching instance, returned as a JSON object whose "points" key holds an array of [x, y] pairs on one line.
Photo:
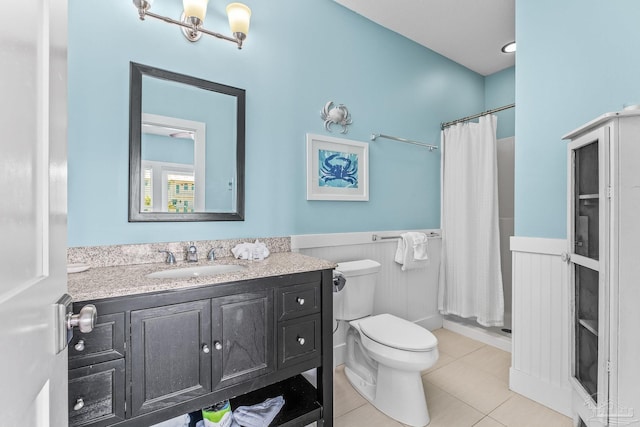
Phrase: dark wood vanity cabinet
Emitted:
{"points": [[185, 350]]}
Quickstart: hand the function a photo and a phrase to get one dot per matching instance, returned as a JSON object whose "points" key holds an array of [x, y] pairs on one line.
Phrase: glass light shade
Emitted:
{"points": [[509, 47], [197, 8], [239, 17], [141, 3]]}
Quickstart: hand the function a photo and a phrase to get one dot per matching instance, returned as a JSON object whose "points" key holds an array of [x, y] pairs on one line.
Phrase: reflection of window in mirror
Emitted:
{"points": [[168, 187], [147, 189], [172, 157], [180, 192]]}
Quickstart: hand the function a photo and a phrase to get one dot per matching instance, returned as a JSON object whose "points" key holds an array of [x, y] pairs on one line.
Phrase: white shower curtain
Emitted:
{"points": [[470, 275]]}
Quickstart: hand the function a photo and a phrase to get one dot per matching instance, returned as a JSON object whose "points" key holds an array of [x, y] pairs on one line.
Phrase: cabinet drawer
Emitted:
{"points": [[299, 340], [96, 394], [105, 342], [298, 300]]}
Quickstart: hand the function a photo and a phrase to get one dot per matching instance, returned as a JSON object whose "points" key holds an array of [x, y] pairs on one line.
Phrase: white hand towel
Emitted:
{"points": [[420, 242], [259, 415], [412, 250], [257, 250]]}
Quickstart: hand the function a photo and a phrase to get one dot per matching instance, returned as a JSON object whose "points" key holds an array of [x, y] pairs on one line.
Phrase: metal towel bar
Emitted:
{"points": [[375, 237]]}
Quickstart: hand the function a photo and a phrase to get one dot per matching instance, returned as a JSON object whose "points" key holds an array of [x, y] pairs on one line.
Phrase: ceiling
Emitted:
{"points": [[469, 32]]}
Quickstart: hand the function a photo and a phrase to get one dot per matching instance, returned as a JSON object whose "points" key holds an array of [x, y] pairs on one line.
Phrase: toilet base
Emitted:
{"points": [[398, 394]]}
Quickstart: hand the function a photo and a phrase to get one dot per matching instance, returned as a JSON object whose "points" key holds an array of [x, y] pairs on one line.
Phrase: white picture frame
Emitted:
{"points": [[337, 169]]}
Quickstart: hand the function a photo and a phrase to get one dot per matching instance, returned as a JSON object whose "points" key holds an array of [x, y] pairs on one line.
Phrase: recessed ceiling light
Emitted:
{"points": [[509, 47]]}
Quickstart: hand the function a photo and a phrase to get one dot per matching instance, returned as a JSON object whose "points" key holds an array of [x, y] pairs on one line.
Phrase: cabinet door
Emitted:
{"points": [[170, 355], [588, 212], [242, 336]]}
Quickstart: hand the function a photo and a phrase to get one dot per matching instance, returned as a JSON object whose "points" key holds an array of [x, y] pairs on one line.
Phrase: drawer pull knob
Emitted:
{"points": [[218, 345], [79, 404], [79, 345], [300, 300], [300, 340], [205, 349]]}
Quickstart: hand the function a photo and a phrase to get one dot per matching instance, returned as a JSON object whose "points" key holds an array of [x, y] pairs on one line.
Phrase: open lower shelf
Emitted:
{"points": [[301, 406], [588, 196]]}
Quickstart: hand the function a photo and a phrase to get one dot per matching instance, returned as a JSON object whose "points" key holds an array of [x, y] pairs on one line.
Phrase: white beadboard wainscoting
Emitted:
{"points": [[540, 357], [411, 295]]}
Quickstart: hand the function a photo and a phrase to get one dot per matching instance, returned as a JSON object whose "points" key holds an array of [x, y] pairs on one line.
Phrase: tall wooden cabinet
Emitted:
{"points": [[604, 269]]}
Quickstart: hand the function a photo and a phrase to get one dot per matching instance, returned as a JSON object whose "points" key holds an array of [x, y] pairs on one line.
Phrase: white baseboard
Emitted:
{"points": [[543, 392], [479, 334], [430, 322]]}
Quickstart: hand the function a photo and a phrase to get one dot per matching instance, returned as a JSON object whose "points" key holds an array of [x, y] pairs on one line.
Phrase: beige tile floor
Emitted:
{"points": [[469, 386]]}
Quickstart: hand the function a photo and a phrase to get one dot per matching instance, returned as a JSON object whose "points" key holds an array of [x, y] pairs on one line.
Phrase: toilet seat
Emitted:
{"points": [[394, 332]]}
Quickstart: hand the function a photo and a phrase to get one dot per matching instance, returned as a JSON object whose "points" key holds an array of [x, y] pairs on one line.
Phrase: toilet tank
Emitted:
{"points": [[355, 300]]}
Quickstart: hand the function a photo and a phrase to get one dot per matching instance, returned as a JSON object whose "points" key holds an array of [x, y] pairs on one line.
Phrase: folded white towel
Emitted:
{"points": [[257, 250], [259, 415], [412, 250]]}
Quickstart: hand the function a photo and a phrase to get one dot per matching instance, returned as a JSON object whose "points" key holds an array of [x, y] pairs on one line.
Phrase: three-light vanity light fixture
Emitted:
{"points": [[193, 17]]}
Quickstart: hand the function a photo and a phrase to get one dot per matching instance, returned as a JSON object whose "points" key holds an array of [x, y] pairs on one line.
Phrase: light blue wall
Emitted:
{"points": [[298, 56], [576, 60], [499, 90]]}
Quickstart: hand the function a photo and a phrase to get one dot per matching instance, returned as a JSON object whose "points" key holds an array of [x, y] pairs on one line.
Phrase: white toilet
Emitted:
{"points": [[385, 354]]}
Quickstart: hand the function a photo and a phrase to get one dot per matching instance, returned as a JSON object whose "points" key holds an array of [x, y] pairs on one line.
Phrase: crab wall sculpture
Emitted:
{"points": [[335, 115]]}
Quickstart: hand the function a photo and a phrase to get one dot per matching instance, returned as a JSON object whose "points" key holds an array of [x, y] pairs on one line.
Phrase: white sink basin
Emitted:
{"points": [[204, 270]]}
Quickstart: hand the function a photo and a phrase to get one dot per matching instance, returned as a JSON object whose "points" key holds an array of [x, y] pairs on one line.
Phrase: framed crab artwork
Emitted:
{"points": [[337, 169]]}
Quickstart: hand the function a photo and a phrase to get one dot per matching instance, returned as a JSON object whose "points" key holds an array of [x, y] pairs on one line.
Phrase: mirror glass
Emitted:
{"points": [[186, 148]]}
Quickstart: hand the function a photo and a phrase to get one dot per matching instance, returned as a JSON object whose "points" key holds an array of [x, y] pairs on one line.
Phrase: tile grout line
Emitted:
{"points": [[351, 410]]}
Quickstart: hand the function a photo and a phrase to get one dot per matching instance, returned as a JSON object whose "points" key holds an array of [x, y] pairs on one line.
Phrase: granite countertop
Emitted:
{"points": [[116, 281]]}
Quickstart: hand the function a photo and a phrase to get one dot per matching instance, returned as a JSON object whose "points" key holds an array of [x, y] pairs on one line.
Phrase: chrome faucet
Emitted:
{"points": [[212, 253], [192, 253], [171, 259]]}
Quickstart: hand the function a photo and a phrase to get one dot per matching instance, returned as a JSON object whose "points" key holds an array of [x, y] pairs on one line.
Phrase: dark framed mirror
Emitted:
{"points": [[186, 148]]}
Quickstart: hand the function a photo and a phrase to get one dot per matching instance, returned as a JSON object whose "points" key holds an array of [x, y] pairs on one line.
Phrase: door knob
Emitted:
{"points": [[79, 404], [565, 257], [300, 340], [85, 320], [217, 345], [205, 349], [66, 321], [79, 345], [300, 300]]}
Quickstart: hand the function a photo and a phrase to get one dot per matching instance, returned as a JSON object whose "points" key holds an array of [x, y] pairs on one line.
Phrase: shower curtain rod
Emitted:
{"points": [[475, 116]]}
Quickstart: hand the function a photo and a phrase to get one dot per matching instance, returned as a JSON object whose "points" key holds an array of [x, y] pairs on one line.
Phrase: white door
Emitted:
{"points": [[33, 210]]}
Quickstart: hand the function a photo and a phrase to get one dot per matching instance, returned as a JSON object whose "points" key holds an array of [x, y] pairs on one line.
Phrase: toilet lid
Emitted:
{"points": [[392, 331]]}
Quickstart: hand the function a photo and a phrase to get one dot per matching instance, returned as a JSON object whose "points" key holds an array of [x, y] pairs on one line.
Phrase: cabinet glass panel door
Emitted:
{"points": [[587, 204], [586, 219], [586, 321]]}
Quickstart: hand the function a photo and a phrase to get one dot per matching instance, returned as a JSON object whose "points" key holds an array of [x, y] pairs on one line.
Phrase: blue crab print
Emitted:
{"points": [[338, 170]]}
